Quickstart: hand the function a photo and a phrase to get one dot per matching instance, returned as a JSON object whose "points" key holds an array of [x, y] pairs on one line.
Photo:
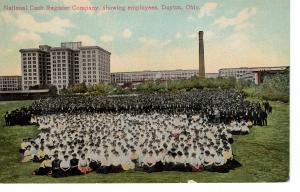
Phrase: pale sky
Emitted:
{"points": [[237, 33]]}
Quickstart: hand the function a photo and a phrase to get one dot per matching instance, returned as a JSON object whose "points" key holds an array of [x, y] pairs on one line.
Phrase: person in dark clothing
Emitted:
{"points": [[105, 165], [264, 117], [56, 171], [74, 165], [180, 165], [255, 117], [94, 164], [159, 164], [6, 117], [18, 117]]}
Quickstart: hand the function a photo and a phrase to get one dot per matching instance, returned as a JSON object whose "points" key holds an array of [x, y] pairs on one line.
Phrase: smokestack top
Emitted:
{"points": [[200, 34]]}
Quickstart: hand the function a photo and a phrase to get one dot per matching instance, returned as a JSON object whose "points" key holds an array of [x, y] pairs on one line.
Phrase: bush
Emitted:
{"points": [[194, 83], [99, 89], [78, 88], [249, 91], [274, 88]]}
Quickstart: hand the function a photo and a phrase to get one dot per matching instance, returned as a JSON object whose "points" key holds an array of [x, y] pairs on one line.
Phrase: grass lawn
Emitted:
{"points": [[264, 155]]}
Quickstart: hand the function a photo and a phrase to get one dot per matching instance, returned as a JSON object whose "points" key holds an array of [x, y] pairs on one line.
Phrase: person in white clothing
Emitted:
{"points": [[149, 162], [65, 166]]}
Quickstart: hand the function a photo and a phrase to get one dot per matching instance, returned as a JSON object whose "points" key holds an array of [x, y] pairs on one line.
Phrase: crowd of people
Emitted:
{"points": [[217, 105], [189, 131], [17, 117], [115, 142]]}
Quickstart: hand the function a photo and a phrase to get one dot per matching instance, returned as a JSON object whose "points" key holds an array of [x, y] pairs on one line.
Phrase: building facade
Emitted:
{"points": [[33, 67], [47, 68], [141, 76], [95, 65], [10, 83], [76, 67], [63, 66], [253, 74]]}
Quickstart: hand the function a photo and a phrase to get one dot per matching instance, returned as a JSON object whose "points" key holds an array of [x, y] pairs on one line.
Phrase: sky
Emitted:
{"points": [[237, 33]]}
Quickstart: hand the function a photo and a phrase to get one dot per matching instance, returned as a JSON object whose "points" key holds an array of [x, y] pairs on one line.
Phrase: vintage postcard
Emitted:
{"points": [[99, 91]]}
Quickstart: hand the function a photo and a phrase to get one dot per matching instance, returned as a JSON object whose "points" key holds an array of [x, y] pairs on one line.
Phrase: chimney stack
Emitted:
{"points": [[201, 56]]}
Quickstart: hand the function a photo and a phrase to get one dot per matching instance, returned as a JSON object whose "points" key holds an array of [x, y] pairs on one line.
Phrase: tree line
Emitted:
{"points": [[274, 87]]}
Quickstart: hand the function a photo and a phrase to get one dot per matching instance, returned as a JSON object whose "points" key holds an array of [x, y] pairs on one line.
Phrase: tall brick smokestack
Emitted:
{"points": [[201, 56]]}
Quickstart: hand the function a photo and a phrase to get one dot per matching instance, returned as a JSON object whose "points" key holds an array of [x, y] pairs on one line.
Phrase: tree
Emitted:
{"points": [[275, 87], [52, 90], [78, 88]]}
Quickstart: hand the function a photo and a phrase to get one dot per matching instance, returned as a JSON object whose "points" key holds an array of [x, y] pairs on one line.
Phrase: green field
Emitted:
{"points": [[264, 155]]}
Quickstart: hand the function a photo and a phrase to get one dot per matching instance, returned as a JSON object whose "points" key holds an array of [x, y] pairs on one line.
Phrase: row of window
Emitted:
{"points": [[58, 52], [88, 64], [60, 57], [59, 61], [59, 65], [29, 62], [59, 77], [89, 68], [89, 52], [59, 69], [89, 72], [29, 58], [226, 72], [85, 77], [84, 63], [151, 76], [29, 54], [59, 73], [89, 56], [30, 78], [9, 80], [59, 81], [10, 83], [8, 86], [63, 53], [30, 82], [88, 60], [29, 70], [30, 74]]}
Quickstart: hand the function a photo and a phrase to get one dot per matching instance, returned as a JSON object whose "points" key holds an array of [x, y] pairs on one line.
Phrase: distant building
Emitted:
{"points": [[10, 83], [63, 66], [141, 76], [254, 74]]}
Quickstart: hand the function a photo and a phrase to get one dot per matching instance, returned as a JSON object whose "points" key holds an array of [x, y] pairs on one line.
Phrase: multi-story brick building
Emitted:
{"points": [[33, 67], [65, 65], [95, 65]]}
